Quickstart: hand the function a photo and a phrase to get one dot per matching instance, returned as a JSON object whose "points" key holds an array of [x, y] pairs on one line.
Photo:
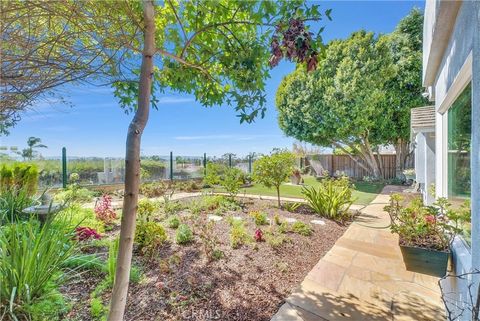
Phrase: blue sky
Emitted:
{"points": [[96, 126]]}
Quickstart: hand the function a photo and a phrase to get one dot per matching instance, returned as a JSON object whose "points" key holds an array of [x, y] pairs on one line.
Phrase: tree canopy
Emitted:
{"points": [[361, 94], [47, 44], [219, 51], [274, 169]]}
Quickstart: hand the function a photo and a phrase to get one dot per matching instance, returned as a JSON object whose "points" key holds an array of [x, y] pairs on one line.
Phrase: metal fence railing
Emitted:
{"points": [[55, 171]]}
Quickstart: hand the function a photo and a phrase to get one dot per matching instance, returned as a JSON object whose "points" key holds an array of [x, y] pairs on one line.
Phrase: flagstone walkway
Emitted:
{"points": [[363, 277]]}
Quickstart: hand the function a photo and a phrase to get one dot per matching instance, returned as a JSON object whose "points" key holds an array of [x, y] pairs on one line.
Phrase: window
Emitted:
{"points": [[459, 139], [459, 143]]}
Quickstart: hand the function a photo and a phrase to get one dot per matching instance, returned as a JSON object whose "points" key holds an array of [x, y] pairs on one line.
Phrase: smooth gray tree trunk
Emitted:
{"points": [[132, 168]]}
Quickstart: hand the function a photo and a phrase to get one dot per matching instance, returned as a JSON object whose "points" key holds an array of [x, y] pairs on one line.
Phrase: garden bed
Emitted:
{"points": [[249, 283]]}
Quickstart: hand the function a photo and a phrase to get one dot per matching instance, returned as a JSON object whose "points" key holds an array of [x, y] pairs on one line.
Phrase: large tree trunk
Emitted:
{"points": [[339, 146], [132, 169], [401, 151], [370, 157]]}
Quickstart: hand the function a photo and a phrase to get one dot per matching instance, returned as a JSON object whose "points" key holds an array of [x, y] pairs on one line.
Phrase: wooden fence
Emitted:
{"points": [[343, 163]]}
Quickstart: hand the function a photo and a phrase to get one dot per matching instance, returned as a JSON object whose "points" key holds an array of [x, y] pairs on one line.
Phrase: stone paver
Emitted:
{"points": [[363, 277], [317, 222], [216, 218]]}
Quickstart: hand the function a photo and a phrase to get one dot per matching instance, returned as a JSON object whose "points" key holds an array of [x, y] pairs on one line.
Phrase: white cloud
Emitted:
{"points": [[175, 100], [225, 137]]}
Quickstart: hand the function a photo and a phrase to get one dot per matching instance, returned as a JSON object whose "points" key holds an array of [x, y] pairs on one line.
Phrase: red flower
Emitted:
{"points": [[258, 235], [104, 210], [86, 233], [430, 219]]}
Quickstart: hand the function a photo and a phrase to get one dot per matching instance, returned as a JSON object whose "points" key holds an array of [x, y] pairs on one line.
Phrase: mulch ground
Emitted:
{"points": [[249, 283]]}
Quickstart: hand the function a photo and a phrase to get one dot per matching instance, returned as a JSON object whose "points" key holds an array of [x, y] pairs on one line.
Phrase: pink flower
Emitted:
{"points": [[86, 233], [258, 235], [104, 210], [430, 219]]}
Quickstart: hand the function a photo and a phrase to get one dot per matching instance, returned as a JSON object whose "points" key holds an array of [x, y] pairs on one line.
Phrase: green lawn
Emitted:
{"points": [[364, 192]]}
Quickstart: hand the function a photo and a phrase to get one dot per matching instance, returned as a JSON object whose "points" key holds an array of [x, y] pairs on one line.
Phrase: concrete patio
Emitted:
{"points": [[363, 277]]}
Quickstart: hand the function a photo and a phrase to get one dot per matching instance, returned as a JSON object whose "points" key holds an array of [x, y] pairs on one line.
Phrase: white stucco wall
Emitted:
{"points": [[425, 163], [459, 65], [420, 158], [428, 198], [475, 148]]}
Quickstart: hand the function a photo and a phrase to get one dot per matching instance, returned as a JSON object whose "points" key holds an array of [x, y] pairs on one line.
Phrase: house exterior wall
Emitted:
{"points": [[425, 163], [428, 198], [451, 61], [475, 148], [420, 158]]}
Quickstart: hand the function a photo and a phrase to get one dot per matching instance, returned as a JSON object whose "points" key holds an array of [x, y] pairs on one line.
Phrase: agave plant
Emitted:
{"points": [[332, 198]]}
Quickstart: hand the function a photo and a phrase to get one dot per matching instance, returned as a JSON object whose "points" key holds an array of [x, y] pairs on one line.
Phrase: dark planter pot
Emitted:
{"points": [[425, 261]]}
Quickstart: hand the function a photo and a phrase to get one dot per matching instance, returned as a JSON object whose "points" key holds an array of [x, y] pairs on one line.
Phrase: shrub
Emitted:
{"points": [[258, 236], [154, 189], [187, 186], [12, 203], [260, 218], [277, 219], [275, 240], [217, 254], [217, 203], [232, 180], [195, 206], [173, 221], [302, 228], [97, 309], [213, 174], [431, 227], [149, 236], [332, 198], [273, 170], [284, 227], [184, 234], [291, 207], [19, 176], [104, 210], [171, 207], [74, 193], [227, 205], [76, 216], [238, 234], [32, 261], [84, 233], [111, 264], [146, 209], [209, 238], [85, 262], [51, 308]]}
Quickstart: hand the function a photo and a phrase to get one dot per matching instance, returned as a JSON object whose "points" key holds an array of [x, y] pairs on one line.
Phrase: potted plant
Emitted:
{"points": [[426, 232], [409, 174], [296, 177]]}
